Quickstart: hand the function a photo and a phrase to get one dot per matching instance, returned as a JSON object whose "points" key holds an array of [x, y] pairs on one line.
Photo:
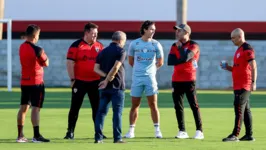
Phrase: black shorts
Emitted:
{"points": [[32, 95]]}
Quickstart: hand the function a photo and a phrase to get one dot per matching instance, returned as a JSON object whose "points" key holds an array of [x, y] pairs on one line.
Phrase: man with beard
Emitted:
{"points": [[184, 55]]}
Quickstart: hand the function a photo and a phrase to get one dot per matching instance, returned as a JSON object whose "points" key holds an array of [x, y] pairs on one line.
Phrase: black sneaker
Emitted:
{"points": [[98, 141], [247, 138], [120, 141], [69, 135], [231, 138], [39, 139]]}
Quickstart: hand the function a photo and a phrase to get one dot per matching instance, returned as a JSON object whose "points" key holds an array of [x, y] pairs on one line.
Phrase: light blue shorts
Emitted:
{"points": [[143, 84]]}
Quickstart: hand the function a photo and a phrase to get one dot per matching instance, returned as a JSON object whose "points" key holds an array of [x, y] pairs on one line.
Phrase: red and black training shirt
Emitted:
{"points": [[84, 56], [241, 72], [32, 60], [184, 59]]}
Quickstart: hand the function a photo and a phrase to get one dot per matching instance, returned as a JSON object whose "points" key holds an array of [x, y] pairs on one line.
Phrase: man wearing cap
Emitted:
{"points": [[184, 55]]}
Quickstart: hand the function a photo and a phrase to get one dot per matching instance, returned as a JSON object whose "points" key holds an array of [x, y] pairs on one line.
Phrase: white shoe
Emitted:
{"points": [[158, 134], [182, 135], [21, 140], [199, 135], [130, 135]]}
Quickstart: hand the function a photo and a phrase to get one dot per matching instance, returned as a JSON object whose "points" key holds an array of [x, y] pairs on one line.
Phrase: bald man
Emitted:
{"points": [[244, 72]]}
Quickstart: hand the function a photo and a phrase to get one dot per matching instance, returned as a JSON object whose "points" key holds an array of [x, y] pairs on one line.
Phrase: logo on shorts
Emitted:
{"points": [[75, 90]]}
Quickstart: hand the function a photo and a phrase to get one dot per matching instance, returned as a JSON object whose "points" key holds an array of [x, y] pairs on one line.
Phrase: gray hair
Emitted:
{"points": [[119, 35]]}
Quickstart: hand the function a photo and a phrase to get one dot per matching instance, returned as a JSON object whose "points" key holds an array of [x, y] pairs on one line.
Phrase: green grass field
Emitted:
{"points": [[216, 108]]}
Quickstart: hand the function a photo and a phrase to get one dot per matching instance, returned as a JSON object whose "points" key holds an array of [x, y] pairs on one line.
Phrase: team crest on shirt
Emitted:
{"points": [[145, 50], [97, 49], [75, 90], [238, 55]]}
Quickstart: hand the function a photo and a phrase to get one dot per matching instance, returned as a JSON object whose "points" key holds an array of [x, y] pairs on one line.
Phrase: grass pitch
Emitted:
{"points": [[216, 109]]}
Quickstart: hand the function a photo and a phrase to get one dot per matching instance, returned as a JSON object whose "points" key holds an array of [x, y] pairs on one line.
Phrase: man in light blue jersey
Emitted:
{"points": [[145, 55]]}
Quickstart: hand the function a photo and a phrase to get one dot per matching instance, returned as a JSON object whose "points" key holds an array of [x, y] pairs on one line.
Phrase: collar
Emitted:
{"points": [[114, 44], [185, 43]]}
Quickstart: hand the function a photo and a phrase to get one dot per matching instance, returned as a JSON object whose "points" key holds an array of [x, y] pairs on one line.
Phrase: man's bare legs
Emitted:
{"points": [[21, 119], [133, 116]]}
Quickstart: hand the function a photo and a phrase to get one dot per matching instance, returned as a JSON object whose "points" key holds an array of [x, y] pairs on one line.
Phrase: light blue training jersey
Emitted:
{"points": [[145, 54]]}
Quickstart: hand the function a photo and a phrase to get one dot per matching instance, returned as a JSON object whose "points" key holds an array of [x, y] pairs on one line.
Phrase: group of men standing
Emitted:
{"points": [[99, 72]]}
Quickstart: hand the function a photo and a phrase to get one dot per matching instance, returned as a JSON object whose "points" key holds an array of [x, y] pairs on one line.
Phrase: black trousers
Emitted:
{"points": [[242, 112], [179, 90], [79, 89]]}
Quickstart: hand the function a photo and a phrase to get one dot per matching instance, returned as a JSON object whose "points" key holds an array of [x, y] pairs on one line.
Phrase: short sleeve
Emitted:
{"points": [[40, 54], [249, 55], [99, 57], [194, 48], [159, 51], [43, 56], [131, 51], [72, 52], [122, 56]]}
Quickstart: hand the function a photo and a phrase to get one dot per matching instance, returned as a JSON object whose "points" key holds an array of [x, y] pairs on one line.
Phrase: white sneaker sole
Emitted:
{"points": [[21, 141], [129, 137], [185, 137], [198, 138]]}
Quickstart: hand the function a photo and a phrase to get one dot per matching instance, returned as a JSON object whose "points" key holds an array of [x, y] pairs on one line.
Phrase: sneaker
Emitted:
{"points": [[231, 138], [21, 140], [247, 138], [69, 135], [158, 134], [39, 139], [129, 135], [182, 135], [120, 141], [199, 135], [104, 137], [98, 141]]}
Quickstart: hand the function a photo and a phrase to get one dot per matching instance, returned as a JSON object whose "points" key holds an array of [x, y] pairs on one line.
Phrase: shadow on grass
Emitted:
{"points": [[91, 140], [62, 100]]}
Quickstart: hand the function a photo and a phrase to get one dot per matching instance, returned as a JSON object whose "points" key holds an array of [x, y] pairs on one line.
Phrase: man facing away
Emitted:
{"points": [[244, 73], [110, 65], [145, 55], [32, 60]]}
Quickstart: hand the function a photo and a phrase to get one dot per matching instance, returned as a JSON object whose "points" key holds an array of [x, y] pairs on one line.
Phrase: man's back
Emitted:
{"points": [[107, 59], [31, 59], [145, 54]]}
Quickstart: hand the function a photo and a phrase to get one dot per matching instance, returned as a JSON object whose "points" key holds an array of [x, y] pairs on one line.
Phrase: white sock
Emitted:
{"points": [[157, 127], [132, 128]]}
